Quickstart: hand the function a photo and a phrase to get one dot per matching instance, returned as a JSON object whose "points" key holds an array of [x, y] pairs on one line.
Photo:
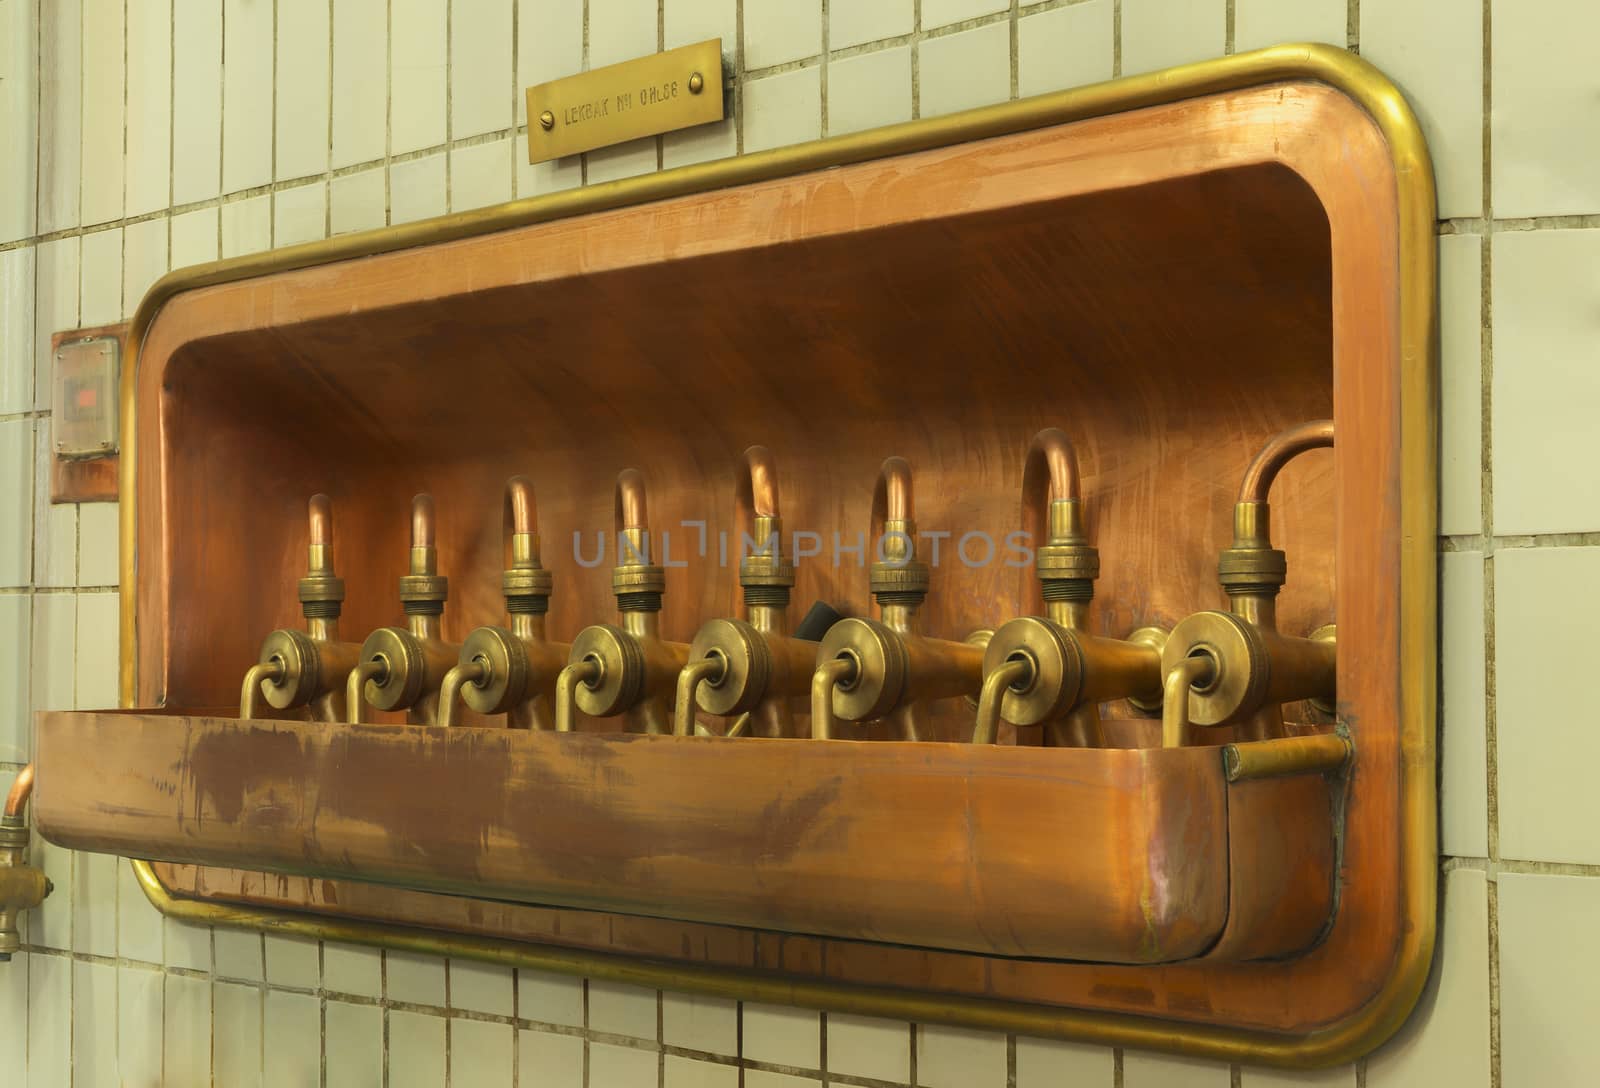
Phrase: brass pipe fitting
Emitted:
{"points": [[410, 661], [1177, 696], [893, 666], [1257, 668], [510, 671], [634, 670], [22, 887], [307, 668], [757, 668], [1057, 672]]}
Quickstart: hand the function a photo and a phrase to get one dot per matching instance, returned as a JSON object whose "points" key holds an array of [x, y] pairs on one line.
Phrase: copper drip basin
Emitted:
{"points": [[1109, 855]]}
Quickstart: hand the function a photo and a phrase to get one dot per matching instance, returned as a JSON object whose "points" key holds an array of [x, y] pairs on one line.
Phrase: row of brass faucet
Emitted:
{"points": [[1214, 668]]}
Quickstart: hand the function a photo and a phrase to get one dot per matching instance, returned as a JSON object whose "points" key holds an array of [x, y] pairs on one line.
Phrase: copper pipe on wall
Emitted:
{"points": [[22, 887], [1258, 669], [17, 797], [511, 670], [751, 669]]}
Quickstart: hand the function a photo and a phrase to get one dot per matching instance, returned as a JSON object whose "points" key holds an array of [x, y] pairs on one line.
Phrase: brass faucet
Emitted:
{"points": [[870, 670], [751, 669], [402, 668], [511, 672], [1050, 669], [1239, 668], [307, 668], [627, 668], [22, 887]]}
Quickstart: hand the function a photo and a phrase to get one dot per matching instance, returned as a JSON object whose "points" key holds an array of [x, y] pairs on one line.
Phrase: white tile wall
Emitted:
{"points": [[127, 127]]}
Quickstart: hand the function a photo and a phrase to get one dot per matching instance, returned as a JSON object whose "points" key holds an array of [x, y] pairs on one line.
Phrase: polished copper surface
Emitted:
{"points": [[21, 790]]}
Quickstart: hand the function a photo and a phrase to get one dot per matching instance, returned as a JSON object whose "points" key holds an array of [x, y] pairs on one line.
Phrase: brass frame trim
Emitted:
{"points": [[1342, 1041]]}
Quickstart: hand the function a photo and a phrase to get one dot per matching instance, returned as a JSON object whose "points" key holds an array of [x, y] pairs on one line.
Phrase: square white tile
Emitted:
{"points": [[1161, 33], [417, 189], [621, 30], [299, 214], [16, 502], [16, 626], [965, 70], [55, 307], [1544, 75], [549, 998], [1544, 740], [1065, 47], [695, 1022], [247, 226], [869, 91], [418, 69], [17, 271], [104, 91], [1142, 1069], [480, 1054], [139, 930], [416, 1050], [360, 81], [100, 286], [293, 961], [620, 1009], [857, 24], [1463, 746], [621, 160], [149, 167], [958, 1058], [414, 979], [60, 114], [777, 31], [352, 969], [937, 13], [549, 46], [622, 1067], [99, 663], [144, 260], [94, 1025], [1549, 969], [481, 93], [1047, 1063], [196, 100], [238, 954], [700, 144], [685, 22], [186, 1030], [1260, 23], [291, 1035], [194, 237], [49, 1020], [236, 1034], [1434, 53], [353, 1044], [247, 59], [302, 87], [55, 646], [481, 175], [19, 116], [681, 1072], [1446, 1040], [554, 1059], [863, 1046], [1460, 384], [98, 543], [359, 201], [1546, 378], [783, 109], [186, 945], [781, 1035], [139, 1026]]}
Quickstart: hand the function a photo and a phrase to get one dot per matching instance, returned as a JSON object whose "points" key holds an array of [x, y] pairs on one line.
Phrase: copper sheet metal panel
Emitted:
{"points": [[925, 845], [1171, 268]]}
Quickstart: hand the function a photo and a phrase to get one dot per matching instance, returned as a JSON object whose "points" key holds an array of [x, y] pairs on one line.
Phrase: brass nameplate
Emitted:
{"points": [[620, 102]]}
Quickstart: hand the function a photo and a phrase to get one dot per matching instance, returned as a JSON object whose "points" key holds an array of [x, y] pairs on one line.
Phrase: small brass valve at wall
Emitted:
{"points": [[403, 668], [307, 668], [1049, 669], [751, 669], [511, 672], [870, 670], [22, 887], [626, 668], [1235, 668]]}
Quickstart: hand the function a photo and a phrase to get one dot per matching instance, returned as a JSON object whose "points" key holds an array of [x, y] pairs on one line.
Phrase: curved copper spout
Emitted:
{"points": [[1049, 474], [1278, 452], [757, 496], [21, 790], [521, 510], [254, 677], [1183, 676], [891, 497], [472, 672], [631, 512], [319, 521], [829, 674], [422, 521]]}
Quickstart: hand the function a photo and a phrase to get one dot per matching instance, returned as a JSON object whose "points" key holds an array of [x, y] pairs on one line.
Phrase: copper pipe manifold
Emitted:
{"points": [[511, 672], [1254, 669], [626, 669], [307, 668], [403, 668], [880, 670], [22, 887], [750, 669]]}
